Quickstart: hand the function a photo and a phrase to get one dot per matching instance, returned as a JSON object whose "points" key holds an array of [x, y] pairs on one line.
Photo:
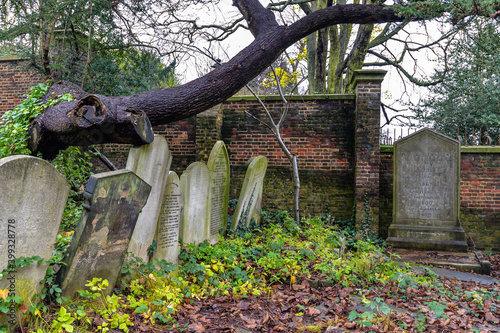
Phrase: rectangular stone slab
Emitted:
{"points": [[151, 163], [167, 232], [195, 187], [103, 233], [33, 195], [250, 200], [427, 193], [218, 164]]}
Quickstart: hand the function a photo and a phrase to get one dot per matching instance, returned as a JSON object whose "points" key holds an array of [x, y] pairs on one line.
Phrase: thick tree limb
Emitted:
{"points": [[128, 119]]}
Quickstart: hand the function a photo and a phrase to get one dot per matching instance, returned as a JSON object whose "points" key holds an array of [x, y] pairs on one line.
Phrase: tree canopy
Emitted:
{"points": [[466, 104], [127, 119]]}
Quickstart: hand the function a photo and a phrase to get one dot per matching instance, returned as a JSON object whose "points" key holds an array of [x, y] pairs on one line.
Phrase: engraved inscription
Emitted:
{"points": [[168, 232], [219, 181], [426, 182]]}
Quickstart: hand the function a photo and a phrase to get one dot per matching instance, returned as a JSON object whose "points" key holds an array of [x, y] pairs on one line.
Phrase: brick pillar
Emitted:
{"points": [[208, 131], [367, 84]]}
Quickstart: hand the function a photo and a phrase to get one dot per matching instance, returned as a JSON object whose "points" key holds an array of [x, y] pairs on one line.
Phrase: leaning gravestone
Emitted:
{"points": [[102, 236], [195, 188], [218, 164], [250, 200], [167, 232], [151, 163], [32, 199], [427, 193]]}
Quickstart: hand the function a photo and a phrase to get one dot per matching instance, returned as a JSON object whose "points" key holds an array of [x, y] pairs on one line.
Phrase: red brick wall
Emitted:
{"points": [[317, 130], [480, 196], [15, 82]]}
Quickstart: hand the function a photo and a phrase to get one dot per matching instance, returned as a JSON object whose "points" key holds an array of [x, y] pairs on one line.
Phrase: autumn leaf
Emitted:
{"points": [[313, 312], [196, 327], [23, 308], [490, 317], [4, 293]]}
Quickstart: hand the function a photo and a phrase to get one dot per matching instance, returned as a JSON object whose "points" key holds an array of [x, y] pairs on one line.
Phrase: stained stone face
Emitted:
{"points": [[195, 188], [32, 199], [250, 200], [426, 193], [151, 163], [218, 164], [102, 236], [167, 232]]}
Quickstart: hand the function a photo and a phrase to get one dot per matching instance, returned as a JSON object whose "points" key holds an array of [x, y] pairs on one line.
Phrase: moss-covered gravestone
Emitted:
{"points": [[32, 199], [218, 164], [427, 193], [167, 232], [151, 163], [250, 200], [102, 236], [195, 188]]}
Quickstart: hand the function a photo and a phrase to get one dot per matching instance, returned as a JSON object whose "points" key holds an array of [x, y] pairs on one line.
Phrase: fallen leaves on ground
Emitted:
{"points": [[302, 308]]}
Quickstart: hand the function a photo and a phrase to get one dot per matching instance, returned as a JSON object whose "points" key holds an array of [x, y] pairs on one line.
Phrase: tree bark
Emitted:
{"points": [[128, 119]]}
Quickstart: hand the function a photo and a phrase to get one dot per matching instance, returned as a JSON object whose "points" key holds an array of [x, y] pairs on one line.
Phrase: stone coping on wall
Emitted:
{"points": [[463, 149], [11, 58], [294, 97]]}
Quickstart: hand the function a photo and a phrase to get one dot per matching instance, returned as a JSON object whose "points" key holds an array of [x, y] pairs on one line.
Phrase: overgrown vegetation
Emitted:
{"points": [[251, 263], [466, 102]]}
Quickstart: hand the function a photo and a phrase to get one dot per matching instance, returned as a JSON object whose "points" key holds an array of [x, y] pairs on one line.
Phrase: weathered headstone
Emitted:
{"points": [[427, 193], [250, 200], [195, 188], [167, 232], [103, 233], [32, 199], [151, 163], [218, 164]]}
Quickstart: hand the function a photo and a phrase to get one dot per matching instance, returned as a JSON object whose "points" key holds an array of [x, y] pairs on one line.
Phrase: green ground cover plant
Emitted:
{"points": [[247, 263]]}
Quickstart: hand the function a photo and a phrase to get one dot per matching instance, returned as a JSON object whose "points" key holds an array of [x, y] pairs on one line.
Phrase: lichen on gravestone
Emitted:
{"points": [[250, 199], [32, 199], [102, 236]]}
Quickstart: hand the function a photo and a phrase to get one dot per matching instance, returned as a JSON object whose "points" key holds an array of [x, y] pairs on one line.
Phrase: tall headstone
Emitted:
{"points": [[218, 164], [167, 232], [32, 199], [102, 235], [151, 163], [427, 193], [250, 200], [195, 188]]}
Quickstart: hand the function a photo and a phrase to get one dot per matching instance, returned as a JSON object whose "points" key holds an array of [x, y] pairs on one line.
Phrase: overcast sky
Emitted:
{"points": [[396, 91]]}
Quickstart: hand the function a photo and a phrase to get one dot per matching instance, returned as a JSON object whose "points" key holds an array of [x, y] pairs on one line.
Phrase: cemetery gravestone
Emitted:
{"points": [[218, 164], [151, 163], [32, 199], [195, 188], [250, 200], [427, 193], [167, 233], [102, 236]]}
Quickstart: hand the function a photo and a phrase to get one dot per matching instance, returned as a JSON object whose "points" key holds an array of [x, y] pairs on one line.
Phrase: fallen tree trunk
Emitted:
{"points": [[128, 119]]}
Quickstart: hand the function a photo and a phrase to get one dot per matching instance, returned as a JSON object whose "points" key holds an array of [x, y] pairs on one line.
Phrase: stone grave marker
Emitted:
{"points": [[167, 232], [102, 235], [195, 188], [218, 164], [250, 200], [427, 193], [32, 199], [151, 163]]}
